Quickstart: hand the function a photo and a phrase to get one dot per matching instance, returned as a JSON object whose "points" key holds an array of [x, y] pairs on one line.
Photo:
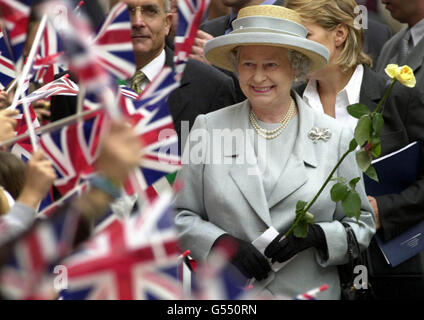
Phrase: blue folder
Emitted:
{"points": [[404, 246], [396, 172]]}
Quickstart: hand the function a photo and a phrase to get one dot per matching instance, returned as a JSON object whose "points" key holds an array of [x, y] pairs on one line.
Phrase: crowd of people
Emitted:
{"points": [[274, 71]]}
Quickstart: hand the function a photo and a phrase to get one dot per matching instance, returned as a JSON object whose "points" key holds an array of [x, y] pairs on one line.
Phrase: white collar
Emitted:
{"points": [[417, 32], [352, 90], [152, 69], [353, 87]]}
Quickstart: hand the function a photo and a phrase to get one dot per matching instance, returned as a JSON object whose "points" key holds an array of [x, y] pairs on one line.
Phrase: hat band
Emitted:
{"points": [[269, 23]]}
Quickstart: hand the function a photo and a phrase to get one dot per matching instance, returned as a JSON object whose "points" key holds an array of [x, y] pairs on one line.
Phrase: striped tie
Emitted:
{"points": [[137, 80]]}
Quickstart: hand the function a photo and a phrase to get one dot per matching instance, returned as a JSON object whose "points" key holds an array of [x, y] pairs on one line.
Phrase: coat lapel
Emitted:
{"points": [[177, 101], [371, 88], [294, 174], [247, 175], [416, 57]]}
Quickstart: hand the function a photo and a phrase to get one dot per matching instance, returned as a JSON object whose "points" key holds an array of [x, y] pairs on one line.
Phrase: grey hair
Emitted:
{"points": [[300, 63]]}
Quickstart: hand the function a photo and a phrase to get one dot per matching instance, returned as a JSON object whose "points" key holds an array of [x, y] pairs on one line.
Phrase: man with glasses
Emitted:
{"points": [[203, 89]]}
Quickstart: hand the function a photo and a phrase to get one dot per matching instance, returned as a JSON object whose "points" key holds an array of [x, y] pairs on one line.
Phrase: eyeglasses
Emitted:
{"points": [[148, 11]]}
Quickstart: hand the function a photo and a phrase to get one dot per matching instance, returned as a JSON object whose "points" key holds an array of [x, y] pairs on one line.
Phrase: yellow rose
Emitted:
{"points": [[391, 70], [406, 76]]}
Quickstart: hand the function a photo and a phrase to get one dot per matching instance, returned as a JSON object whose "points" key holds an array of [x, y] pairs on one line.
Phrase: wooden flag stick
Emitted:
{"points": [[30, 60], [51, 126], [22, 78]]}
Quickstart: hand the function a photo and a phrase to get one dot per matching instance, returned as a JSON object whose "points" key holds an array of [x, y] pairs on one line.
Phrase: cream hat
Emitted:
{"points": [[265, 25]]}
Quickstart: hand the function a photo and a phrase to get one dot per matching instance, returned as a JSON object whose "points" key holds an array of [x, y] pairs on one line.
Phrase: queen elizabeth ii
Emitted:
{"points": [[247, 188]]}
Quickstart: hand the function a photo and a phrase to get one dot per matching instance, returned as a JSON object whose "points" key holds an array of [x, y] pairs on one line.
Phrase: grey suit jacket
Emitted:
{"points": [[415, 58], [228, 197]]}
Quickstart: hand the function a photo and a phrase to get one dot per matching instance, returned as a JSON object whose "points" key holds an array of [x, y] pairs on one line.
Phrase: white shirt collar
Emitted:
{"points": [[417, 32], [350, 94], [152, 69]]}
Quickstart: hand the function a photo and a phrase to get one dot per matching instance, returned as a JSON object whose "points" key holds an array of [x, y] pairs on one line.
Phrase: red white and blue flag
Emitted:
{"points": [[15, 15], [132, 260], [153, 122], [113, 43], [34, 255], [48, 62], [62, 86], [73, 150], [190, 16], [7, 67]]}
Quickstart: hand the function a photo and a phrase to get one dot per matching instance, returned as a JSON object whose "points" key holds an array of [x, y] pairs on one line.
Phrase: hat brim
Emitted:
{"points": [[218, 50]]}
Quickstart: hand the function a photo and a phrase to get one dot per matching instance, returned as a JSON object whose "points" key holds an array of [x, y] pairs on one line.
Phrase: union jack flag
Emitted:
{"points": [[48, 208], [15, 14], [35, 253], [153, 122], [114, 45], [22, 126], [135, 259], [47, 62], [62, 86], [7, 68], [73, 150], [190, 15]]}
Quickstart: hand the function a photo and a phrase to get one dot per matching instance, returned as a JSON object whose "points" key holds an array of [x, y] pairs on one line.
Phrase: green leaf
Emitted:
{"points": [[377, 124], [363, 130], [363, 159], [358, 110], [352, 204], [372, 173], [353, 145], [376, 150], [338, 192], [354, 182], [338, 179], [300, 205], [301, 230]]}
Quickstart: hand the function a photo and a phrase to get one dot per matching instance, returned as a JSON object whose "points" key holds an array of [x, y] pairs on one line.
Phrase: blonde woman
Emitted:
{"points": [[348, 79]]}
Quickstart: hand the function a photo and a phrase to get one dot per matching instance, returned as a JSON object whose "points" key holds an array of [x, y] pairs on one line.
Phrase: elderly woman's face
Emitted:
{"points": [[265, 75]]}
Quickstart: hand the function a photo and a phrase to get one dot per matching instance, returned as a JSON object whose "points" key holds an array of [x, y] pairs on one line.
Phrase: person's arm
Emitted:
{"points": [[40, 176], [398, 212]]}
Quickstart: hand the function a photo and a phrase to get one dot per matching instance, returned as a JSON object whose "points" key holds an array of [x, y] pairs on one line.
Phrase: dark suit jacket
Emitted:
{"points": [[375, 37], [403, 115], [203, 89], [415, 58]]}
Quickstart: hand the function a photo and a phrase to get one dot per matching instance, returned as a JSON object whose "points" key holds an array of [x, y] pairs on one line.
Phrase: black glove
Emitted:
{"points": [[247, 259], [283, 250]]}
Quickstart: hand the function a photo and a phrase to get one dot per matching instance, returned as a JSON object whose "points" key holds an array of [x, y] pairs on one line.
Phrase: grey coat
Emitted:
{"points": [[415, 58], [229, 197]]}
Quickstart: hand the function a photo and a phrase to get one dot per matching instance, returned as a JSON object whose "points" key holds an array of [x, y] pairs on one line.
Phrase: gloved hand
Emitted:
{"points": [[247, 259], [283, 250]]}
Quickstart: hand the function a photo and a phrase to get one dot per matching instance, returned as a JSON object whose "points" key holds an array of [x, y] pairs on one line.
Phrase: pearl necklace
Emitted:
{"points": [[271, 134]]}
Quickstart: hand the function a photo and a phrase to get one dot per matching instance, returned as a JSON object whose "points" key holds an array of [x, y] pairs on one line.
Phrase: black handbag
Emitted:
{"points": [[346, 271]]}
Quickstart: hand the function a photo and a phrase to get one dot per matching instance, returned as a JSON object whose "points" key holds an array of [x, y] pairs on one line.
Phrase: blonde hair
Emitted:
{"points": [[328, 15], [4, 203]]}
